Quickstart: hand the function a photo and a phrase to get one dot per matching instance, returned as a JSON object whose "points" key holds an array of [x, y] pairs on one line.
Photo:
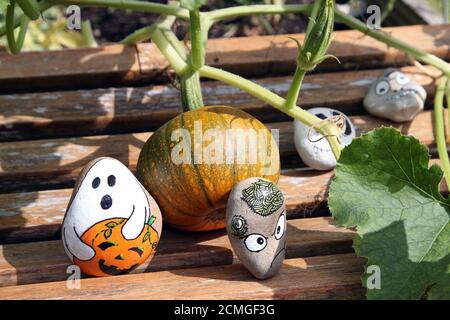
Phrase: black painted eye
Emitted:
{"points": [[255, 242], [348, 128], [111, 180], [321, 116], [96, 183]]}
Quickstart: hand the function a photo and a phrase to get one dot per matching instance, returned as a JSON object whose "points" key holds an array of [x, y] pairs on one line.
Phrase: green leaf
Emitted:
{"points": [[151, 220], [385, 188], [192, 5], [111, 224], [146, 236], [108, 233]]}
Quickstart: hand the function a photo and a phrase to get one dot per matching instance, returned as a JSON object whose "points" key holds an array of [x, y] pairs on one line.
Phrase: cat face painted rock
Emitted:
{"points": [[315, 150], [111, 224], [394, 96], [256, 226]]}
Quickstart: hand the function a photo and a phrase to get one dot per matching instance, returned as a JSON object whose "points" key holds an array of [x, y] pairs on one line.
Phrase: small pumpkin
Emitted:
{"points": [[191, 163], [113, 253]]}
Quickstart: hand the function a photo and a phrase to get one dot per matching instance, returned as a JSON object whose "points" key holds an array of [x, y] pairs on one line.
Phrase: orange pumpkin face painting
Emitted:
{"points": [[112, 224], [113, 253]]}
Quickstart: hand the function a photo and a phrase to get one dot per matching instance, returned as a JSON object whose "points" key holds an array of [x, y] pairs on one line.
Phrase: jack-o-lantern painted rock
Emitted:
{"points": [[256, 226], [112, 224], [191, 163]]}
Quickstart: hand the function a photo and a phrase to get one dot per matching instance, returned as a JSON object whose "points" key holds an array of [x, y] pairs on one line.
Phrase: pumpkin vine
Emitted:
{"points": [[190, 67]]}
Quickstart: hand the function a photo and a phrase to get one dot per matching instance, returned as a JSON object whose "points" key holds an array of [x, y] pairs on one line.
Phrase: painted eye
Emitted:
{"points": [[402, 79], [321, 116], [382, 88], [281, 226], [111, 180], [255, 242], [96, 183]]}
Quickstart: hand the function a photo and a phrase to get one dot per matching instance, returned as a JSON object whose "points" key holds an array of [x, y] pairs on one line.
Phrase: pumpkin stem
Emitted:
{"points": [[191, 92]]}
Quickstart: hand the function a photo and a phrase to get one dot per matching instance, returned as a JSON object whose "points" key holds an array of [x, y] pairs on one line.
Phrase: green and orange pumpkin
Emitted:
{"points": [[191, 191]]}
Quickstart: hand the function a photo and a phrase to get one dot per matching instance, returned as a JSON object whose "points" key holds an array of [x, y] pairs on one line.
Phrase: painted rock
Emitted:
{"points": [[111, 224], [394, 96], [313, 148], [256, 226]]}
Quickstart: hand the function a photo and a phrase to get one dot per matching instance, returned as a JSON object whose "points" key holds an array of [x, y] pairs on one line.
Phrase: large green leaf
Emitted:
{"points": [[385, 188]]}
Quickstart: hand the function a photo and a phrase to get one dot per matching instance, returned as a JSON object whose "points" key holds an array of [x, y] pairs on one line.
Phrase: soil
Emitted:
{"points": [[114, 25]]}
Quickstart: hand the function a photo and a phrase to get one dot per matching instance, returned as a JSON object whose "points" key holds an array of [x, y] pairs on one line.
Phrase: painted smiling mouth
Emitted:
{"points": [[316, 148], [405, 93]]}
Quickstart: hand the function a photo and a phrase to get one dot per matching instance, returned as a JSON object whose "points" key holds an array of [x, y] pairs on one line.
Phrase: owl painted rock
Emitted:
{"points": [[315, 150], [256, 226], [394, 96], [111, 224]]}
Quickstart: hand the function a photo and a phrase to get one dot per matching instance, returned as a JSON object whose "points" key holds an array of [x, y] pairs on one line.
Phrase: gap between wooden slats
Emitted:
{"points": [[43, 164], [123, 110], [250, 56]]}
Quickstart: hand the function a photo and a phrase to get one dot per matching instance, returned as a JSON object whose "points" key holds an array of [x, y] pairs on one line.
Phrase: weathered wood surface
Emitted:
{"points": [[40, 164], [46, 261], [32, 216], [325, 277], [38, 215], [134, 109], [251, 56]]}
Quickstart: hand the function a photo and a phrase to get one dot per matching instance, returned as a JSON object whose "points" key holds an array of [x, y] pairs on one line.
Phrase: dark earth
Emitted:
{"points": [[114, 25]]}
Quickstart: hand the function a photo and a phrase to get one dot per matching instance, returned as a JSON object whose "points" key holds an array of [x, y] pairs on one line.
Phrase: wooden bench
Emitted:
{"points": [[59, 110]]}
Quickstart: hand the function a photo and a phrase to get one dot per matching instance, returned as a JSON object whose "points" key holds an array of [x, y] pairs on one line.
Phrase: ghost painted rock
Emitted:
{"points": [[256, 226], [111, 224], [394, 96], [315, 150]]}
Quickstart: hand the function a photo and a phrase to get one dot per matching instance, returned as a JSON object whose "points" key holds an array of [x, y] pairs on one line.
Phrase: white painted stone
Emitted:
{"points": [[315, 150], [105, 190]]}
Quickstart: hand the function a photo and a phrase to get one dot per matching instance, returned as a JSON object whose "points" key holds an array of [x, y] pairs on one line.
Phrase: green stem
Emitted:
{"points": [[170, 53], [191, 91], [395, 43], [140, 35], [197, 40], [387, 10], [88, 36], [240, 11], [439, 127], [328, 129], [15, 45], [129, 4], [163, 22], [294, 89], [447, 98]]}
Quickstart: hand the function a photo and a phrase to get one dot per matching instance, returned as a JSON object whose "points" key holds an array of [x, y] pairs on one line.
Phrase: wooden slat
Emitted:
{"points": [[33, 216], [251, 56], [46, 261], [47, 163], [69, 68], [84, 112], [327, 277], [38, 215]]}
